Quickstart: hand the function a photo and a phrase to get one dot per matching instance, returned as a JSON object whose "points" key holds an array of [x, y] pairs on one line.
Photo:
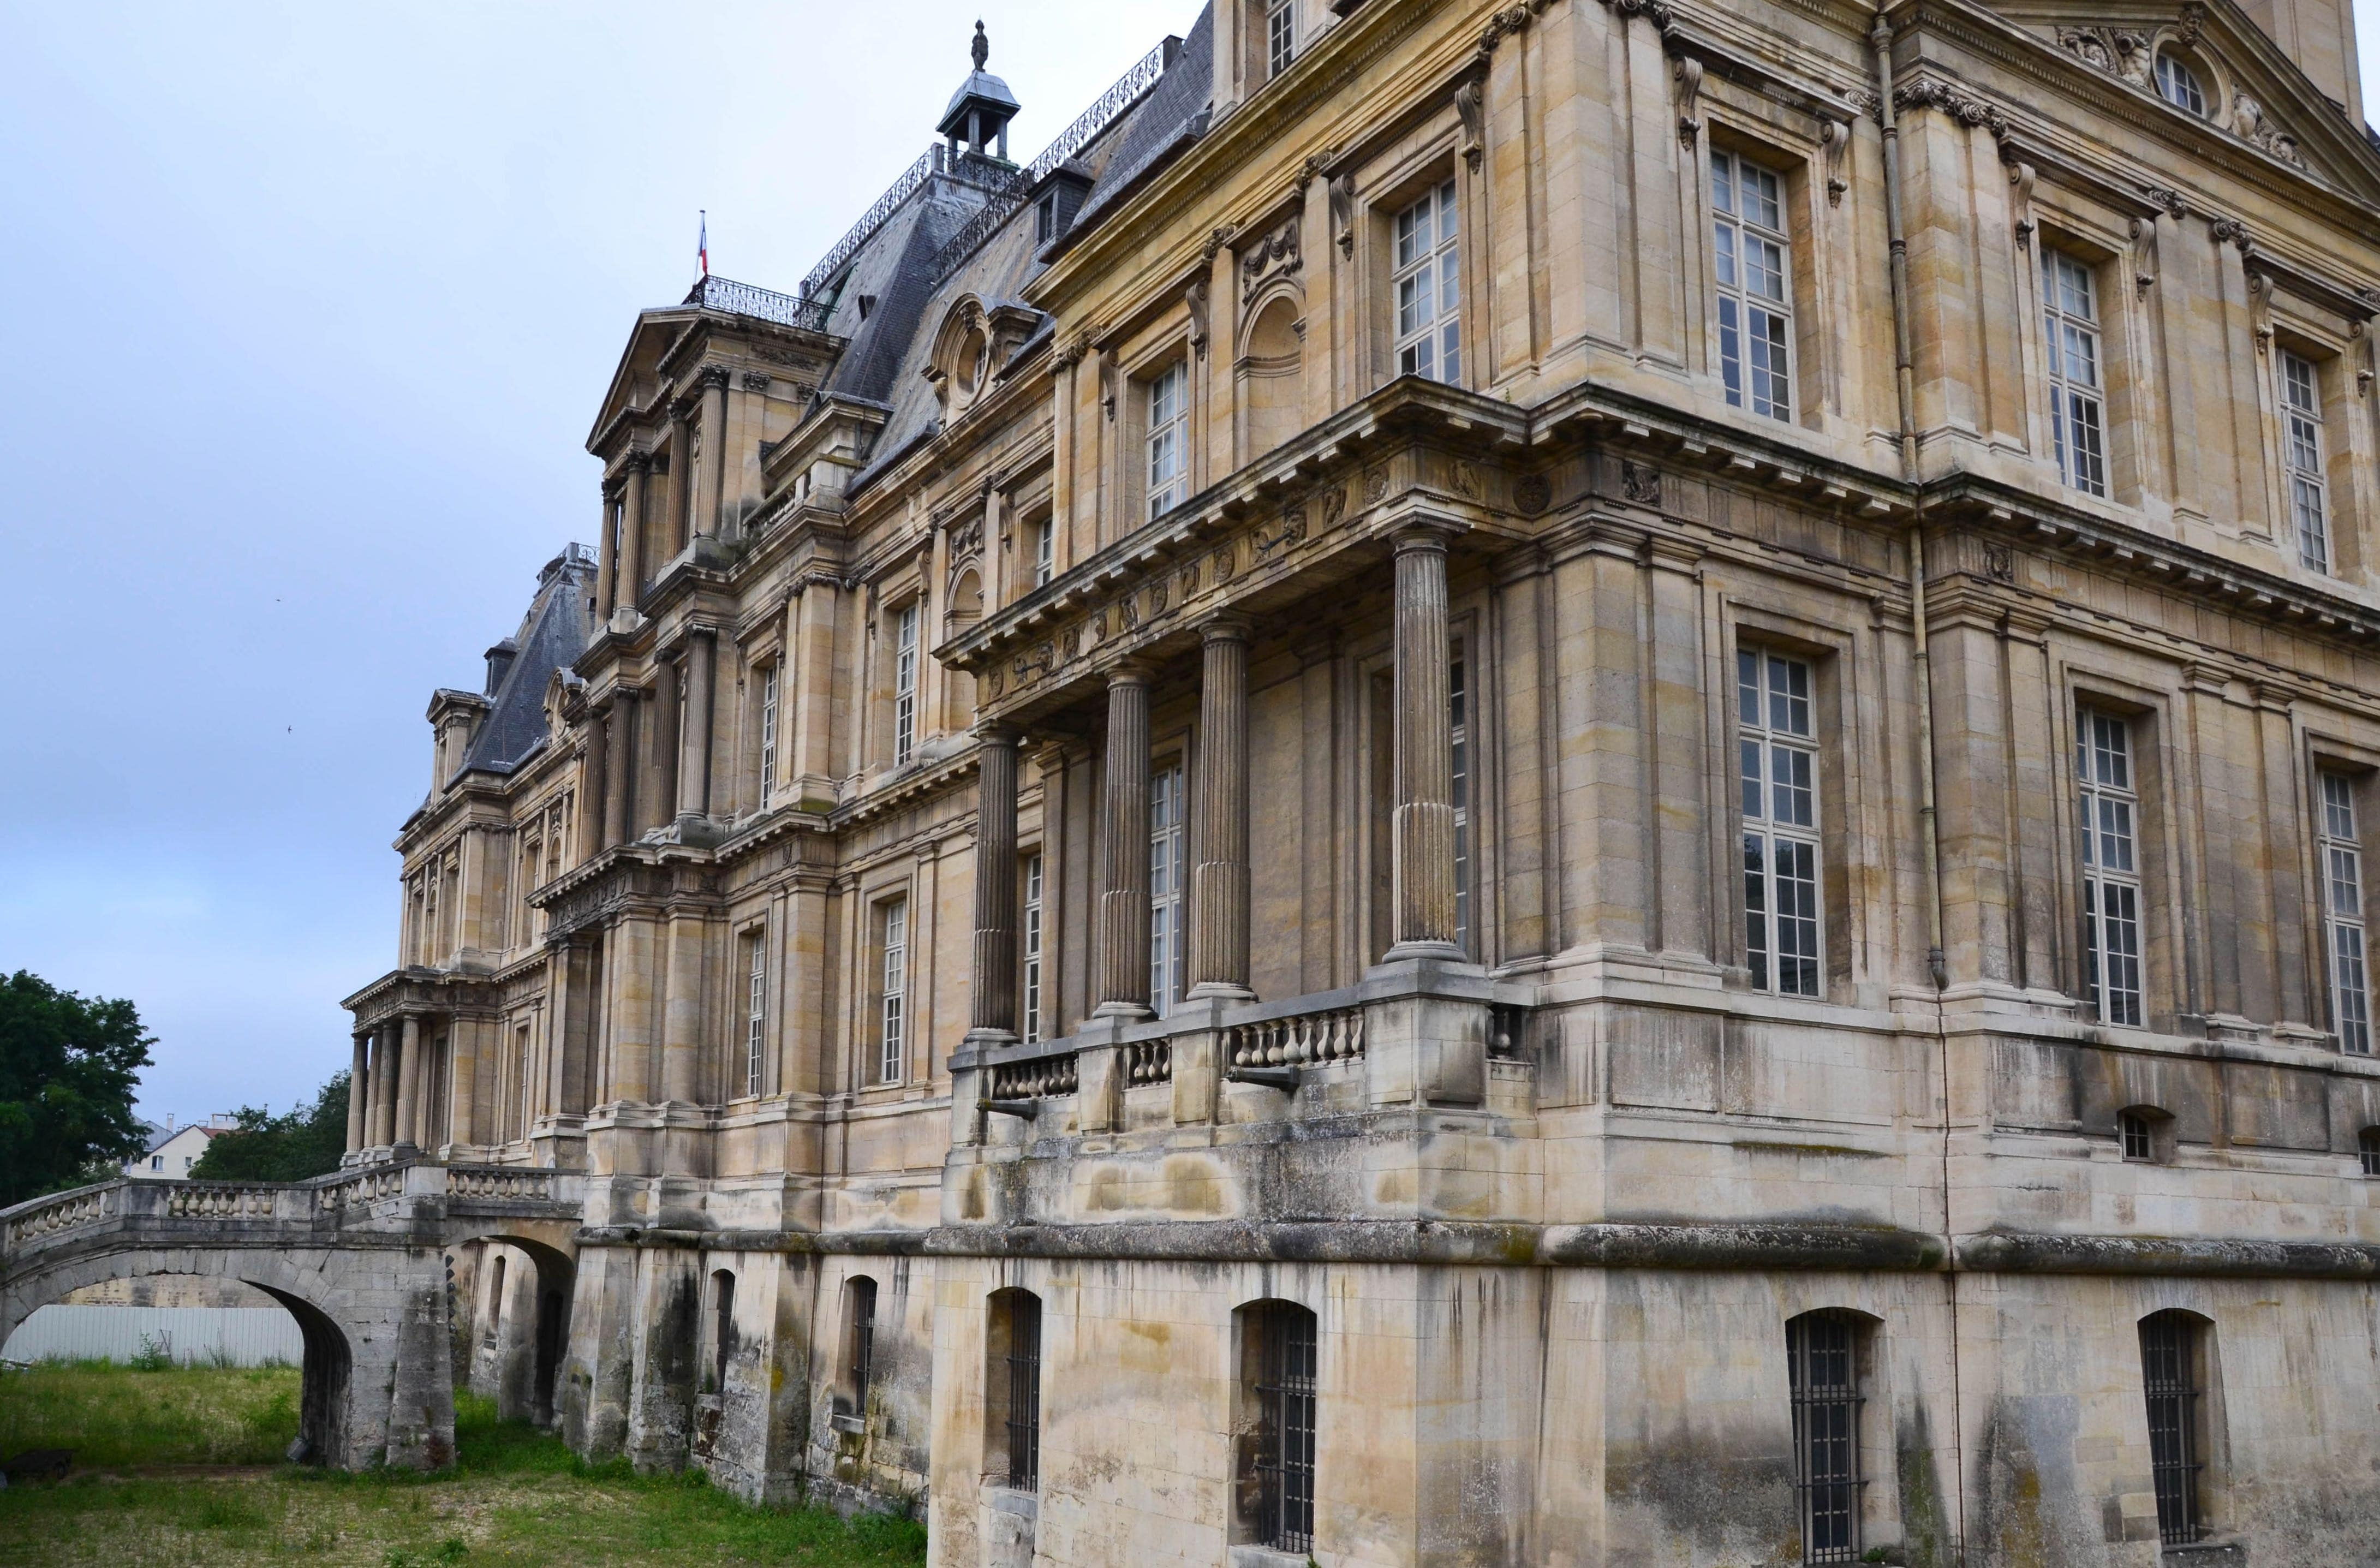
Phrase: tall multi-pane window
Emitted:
{"points": [[1822, 1357], [1281, 35], [2111, 869], [1429, 290], [1460, 729], [2342, 886], [1169, 855], [895, 1007], [1778, 754], [2169, 1350], [755, 1008], [2367, 1145], [2301, 454], [1168, 439], [1032, 1020], [769, 734], [1286, 1356], [2078, 416], [904, 684], [1756, 303], [1045, 551]]}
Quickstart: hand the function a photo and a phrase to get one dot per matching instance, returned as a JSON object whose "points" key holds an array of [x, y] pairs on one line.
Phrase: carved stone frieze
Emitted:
{"points": [[2122, 51], [1967, 108]]}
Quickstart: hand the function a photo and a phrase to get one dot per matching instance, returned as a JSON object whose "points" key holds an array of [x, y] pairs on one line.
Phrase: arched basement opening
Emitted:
{"points": [[326, 1372]]}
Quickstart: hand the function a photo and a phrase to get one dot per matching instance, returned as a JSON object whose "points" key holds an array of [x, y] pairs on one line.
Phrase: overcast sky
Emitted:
{"points": [[305, 312]]}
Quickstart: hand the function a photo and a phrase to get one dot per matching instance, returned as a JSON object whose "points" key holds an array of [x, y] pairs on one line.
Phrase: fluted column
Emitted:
{"points": [[992, 1012], [409, 1078], [712, 519], [357, 1086], [1219, 882], [1124, 888], [701, 658], [607, 557], [1422, 826], [619, 780], [681, 493], [383, 1086], [630, 587]]}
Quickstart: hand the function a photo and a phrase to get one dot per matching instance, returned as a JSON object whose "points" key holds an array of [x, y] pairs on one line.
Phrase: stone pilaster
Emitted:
{"points": [[993, 1020], [1218, 878], [1422, 824], [1123, 973], [681, 1012], [701, 660]]}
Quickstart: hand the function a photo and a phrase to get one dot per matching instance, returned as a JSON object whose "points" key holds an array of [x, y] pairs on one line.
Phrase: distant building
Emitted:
{"points": [[171, 1151]]}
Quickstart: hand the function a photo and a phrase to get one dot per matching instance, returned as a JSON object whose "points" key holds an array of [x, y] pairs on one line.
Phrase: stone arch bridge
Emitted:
{"points": [[359, 1259]]}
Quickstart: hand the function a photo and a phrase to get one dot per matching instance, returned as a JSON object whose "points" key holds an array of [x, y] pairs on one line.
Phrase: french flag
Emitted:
{"points": [[703, 245]]}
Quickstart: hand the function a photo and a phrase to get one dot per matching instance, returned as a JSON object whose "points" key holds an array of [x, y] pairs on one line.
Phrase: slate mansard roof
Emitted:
{"points": [[553, 633], [887, 359]]}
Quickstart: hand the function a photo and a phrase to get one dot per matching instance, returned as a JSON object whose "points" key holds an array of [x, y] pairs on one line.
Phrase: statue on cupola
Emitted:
{"points": [[980, 109]]}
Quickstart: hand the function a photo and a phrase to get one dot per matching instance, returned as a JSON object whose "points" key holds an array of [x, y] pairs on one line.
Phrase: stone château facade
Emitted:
{"points": [[1581, 782]]}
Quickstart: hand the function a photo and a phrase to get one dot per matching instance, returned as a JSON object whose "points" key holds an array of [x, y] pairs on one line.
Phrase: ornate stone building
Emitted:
{"points": [[1583, 782]]}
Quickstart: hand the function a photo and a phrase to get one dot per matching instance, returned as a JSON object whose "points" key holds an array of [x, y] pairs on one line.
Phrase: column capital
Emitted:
{"points": [[1132, 672], [1224, 626], [1416, 534], [993, 732]]}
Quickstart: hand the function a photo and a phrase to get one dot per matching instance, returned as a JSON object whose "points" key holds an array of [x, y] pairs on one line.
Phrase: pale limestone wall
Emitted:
{"points": [[1620, 531]]}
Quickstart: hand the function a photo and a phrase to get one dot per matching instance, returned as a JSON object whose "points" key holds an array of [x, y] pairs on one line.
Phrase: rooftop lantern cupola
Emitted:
{"points": [[981, 108]]}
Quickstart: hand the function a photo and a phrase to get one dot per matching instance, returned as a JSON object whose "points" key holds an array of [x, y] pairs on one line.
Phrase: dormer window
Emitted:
{"points": [[1280, 36], [1045, 219], [2178, 85]]}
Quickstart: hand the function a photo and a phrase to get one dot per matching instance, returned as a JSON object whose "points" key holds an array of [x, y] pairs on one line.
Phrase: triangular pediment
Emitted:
{"points": [[2246, 89], [638, 377]]}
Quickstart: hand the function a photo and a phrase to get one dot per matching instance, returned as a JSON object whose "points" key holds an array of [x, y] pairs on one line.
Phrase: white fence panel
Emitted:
{"points": [[237, 1336]]}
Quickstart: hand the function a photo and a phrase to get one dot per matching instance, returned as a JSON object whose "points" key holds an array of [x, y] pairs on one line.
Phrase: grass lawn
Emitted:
{"points": [[179, 1466]]}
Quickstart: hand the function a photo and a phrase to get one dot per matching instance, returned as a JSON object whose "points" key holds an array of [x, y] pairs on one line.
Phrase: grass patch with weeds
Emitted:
{"points": [[517, 1496]]}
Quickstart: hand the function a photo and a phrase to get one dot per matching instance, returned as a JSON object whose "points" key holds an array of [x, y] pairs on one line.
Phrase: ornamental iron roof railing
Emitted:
{"points": [[763, 304], [1010, 193], [870, 221]]}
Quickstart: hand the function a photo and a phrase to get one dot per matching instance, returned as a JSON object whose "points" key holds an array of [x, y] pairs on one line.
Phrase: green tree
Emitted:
{"points": [[68, 1067], [305, 1141]]}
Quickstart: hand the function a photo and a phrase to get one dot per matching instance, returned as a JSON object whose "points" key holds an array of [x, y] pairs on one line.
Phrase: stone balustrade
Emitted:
{"points": [[1299, 1040]]}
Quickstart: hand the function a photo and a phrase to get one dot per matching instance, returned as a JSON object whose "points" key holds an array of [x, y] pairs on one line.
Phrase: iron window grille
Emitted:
{"points": [[1777, 758], [1459, 731], [2112, 875], [1822, 1353], [1033, 903], [862, 1292], [2342, 861], [1280, 36], [2077, 404], [894, 1015], [1287, 1394], [768, 734], [1024, 1391], [2139, 1138], [1429, 289], [905, 684], [1168, 873], [756, 1019], [2301, 455], [1168, 439], [1756, 297], [2169, 1378]]}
